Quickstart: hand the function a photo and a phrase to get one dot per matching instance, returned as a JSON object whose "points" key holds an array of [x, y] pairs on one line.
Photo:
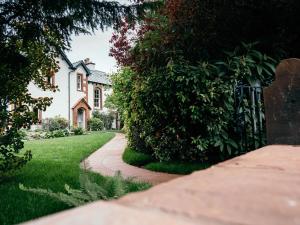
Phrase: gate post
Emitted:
{"points": [[282, 104]]}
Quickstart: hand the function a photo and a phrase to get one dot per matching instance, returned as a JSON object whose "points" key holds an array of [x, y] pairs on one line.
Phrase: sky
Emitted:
{"points": [[96, 47]]}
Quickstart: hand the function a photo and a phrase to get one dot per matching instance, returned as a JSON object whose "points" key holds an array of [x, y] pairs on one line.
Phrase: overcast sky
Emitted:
{"points": [[96, 47]]}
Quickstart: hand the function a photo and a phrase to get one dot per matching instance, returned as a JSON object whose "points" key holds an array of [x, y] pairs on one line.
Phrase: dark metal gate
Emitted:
{"points": [[250, 117]]}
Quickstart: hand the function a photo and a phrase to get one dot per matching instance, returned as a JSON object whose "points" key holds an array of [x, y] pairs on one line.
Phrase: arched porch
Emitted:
{"points": [[81, 114]]}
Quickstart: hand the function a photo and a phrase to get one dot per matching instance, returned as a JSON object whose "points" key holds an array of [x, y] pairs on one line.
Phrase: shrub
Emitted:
{"points": [[78, 131], [57, 133], [177, 167], [37, 135], [95, 124], [136, 158], [23, 134], [106, 118], [10, 157], [61, 133], [185, 111], [56, 123], [48, 135]]}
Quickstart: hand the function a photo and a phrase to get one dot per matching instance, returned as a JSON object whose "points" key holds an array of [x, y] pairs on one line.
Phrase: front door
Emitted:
{"points": [[81, 118]]}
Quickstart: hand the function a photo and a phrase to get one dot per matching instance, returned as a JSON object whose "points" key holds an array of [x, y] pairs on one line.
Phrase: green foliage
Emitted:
{"points": [[36, 135], [57, 133], [124, 91], [56, 123], [122, 83], [250, 67], [106, 118], [95, 124], [112, 188], [78, 131], [139, 159], [10, 158], [177, 96], [185, 111], [136, 158], [177, 167], [23, 134]]}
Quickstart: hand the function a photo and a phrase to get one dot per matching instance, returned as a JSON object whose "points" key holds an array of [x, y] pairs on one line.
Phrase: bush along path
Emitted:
{"points": [[148, 162], [108, 160]]}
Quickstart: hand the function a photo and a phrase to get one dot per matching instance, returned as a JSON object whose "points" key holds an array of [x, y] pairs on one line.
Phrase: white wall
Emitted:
{"points": [[75, 94], [60, 103], [60, 97], [91, 95]]}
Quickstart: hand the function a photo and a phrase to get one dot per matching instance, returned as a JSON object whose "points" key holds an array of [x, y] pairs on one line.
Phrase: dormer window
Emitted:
{"points": [[97, 98], [79, 82]]}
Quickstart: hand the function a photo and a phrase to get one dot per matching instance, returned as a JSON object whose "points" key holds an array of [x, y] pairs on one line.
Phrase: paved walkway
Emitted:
{"points": [[108, 160]]}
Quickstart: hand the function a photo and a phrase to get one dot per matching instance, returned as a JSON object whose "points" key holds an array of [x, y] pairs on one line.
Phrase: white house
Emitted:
{"points": [[81, 90]]}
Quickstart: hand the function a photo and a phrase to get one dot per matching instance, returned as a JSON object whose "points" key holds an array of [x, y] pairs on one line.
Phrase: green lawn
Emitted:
{"points": [[55, 163], [136, 158], [146, 161]]}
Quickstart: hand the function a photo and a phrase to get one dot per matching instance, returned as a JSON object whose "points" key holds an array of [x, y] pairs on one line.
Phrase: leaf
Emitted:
{"points": [[111, 188], [259, 70], [271, 66]]}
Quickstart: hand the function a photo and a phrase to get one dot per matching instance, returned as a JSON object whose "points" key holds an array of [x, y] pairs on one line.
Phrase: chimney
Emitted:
{"points": [[89, 64]]}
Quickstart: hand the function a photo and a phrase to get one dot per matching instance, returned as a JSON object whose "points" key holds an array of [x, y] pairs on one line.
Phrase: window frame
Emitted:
{"points": [[38, 114], [51, 79], [99, 105], [81, 82]]}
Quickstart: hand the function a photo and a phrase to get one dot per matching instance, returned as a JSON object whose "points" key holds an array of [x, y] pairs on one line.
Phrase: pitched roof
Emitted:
{"points": [[99, 77], [81, 63], [64, 56], [75, 64], [82, 100], [94, 76]]}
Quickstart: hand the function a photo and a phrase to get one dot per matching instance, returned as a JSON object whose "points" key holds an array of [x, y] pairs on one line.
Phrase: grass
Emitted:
{"points": [[55, 163], [136, 158], [176, 167], [146, 161]]}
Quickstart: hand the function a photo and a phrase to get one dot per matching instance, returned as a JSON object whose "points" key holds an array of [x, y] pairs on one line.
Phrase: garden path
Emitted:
{"points": [[108, 160]]}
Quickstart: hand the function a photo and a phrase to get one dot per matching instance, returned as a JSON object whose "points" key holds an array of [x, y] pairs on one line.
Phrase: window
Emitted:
{"points": [[37, 115], [51, 80], [79, 82], [97, 98]]}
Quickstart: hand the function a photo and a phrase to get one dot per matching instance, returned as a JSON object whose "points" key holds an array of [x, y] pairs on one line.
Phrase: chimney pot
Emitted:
{"points": [[89, 64]]}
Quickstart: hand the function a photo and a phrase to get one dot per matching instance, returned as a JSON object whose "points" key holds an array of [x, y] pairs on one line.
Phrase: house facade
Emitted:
{"points": [[81, 90]]}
